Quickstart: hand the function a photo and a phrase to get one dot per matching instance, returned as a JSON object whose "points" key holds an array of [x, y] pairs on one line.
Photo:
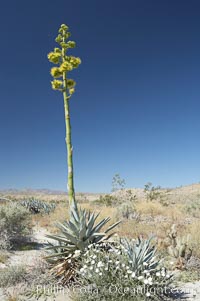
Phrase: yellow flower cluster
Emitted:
{"points": [[63, 27], [57, 50], [66, 66], [55, 72], [65, 63], [75, 61], [58, 39], [71, 91], [54, 57], [56, 84], [70, 83], [71, 44]]}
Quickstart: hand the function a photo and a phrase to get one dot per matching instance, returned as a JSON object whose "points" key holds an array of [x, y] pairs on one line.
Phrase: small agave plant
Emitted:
{"points": [[76, 234], [141, 254]]}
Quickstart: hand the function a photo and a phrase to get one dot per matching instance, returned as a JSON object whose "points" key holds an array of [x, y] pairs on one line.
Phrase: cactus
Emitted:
{"points": [[178, 247]]}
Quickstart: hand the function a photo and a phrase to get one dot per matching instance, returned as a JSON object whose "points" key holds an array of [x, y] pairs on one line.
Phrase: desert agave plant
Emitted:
{"points": [[37, 206], [141, 254], [80, 231], [76, 235]]}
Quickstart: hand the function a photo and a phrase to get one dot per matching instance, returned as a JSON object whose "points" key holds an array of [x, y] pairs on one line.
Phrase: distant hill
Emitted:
{"points": [[183, 194]]}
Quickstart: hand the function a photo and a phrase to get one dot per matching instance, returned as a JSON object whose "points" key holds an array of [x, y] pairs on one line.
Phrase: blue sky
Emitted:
{"points": [[136, 107]]}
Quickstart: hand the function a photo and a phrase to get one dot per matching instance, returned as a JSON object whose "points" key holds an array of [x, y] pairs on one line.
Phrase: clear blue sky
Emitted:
{"points": [[136, 110]]}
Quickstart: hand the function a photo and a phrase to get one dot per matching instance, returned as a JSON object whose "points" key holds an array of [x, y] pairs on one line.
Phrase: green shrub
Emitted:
{"points": [[128, 271], [193, 208], [127, 211], [3, 256], [14, 224], [12, 275], [106, 200], [152, 192]]}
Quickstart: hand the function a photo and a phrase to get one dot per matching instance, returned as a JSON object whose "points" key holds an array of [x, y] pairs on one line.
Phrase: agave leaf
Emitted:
{"points": [[72, 229], [58, 238], [82, 234], [100, 225], [112, 226], [57, 255], [92, 220], [74, 217], [97, 234]]}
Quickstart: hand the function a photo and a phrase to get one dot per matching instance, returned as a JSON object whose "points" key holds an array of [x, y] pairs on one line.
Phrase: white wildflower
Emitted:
{"points": [[77, 252], [133, 275], [148, 294], [150, 280], [100, 264]]}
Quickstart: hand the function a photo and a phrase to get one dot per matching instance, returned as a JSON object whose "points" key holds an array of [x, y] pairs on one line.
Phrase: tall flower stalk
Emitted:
{"points": [[64, 64]]}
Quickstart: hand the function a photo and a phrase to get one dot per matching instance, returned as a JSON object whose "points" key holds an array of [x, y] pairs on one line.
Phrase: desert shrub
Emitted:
{"points": [[193, 208], [151, 208], [14, 224], [29, 284], [37, 206], [128, 271], [152, 192], [122, 196], [117, 183], [3, 256], [12, 275], [106, 200], [127, 211]]}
